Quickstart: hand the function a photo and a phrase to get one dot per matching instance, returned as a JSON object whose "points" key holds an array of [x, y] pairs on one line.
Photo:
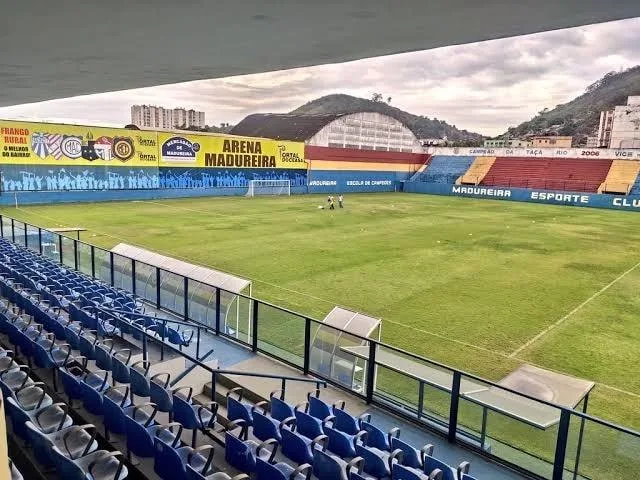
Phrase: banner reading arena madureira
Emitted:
{"points": [[26, 143], [208, 151]]}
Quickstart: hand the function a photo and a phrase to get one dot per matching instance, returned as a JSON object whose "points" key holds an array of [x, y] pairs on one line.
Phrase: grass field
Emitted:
{"points": [[480, 285]]}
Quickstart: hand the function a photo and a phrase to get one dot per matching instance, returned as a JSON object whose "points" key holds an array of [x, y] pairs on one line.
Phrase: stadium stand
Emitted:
{"points": [[445, 169], [477, 171], [635, 189], [548, 173], [621, 177], [68, 337]]}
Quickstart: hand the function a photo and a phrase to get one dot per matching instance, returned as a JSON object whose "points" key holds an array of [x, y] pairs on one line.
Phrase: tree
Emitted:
{"points": [[377, 98], [389, 100]]}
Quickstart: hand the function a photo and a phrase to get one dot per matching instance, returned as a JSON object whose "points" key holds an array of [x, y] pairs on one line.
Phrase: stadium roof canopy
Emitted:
{"points": [[53, 50], [205, 275], [283, 126]]}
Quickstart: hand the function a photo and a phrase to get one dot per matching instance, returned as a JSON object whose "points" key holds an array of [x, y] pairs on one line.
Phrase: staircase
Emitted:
{"points": [[621, 177], [477, 171]]}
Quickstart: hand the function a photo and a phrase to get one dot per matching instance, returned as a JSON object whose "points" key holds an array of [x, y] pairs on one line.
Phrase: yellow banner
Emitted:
{"points": [[26, 143], [178, 150]]}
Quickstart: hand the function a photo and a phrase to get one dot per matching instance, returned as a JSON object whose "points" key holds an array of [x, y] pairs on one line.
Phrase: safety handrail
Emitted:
{"points": [[218, 370]]}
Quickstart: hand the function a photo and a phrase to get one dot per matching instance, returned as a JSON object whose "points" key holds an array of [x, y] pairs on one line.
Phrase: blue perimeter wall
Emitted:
{"points": [[593, 200], [351, 181], [26, 198]]}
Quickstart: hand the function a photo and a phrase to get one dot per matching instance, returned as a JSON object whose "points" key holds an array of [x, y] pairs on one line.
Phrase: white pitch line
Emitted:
{"points": [[570, 314]]}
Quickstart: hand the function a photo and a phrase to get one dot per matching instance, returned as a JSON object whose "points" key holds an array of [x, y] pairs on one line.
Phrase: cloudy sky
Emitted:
{"points": [[484, 87]]}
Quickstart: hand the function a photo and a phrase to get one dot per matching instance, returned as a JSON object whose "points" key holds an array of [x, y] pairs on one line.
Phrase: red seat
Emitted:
{"points": [[570, 174]]}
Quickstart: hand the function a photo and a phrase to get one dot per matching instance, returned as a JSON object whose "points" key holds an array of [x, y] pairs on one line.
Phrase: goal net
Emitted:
{"points": [[269, 187]]}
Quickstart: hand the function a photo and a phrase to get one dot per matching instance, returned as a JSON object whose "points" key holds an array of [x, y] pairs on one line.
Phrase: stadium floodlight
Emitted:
{"points": [[269, 187]]}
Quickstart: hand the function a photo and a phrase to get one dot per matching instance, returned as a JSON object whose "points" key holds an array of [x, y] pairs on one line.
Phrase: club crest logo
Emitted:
{"points": [[71, 146], [179, 150], [123, 148]]}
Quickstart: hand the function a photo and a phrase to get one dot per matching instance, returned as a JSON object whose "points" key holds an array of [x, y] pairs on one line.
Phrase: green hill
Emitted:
{"points": [[423, 127], [580, 116]]}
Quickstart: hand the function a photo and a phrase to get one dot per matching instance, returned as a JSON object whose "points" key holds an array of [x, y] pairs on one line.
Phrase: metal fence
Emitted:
{"points": [[580, 446]]}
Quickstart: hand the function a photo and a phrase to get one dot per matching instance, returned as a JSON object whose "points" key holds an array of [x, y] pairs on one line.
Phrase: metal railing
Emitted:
{"points": [[580, 446]]}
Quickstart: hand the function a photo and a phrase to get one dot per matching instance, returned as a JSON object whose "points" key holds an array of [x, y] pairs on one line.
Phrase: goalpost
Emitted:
{"points": [[269, 187]]}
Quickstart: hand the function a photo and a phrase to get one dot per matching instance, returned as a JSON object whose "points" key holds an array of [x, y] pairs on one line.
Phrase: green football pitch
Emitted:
{"points": [[478, 284]]}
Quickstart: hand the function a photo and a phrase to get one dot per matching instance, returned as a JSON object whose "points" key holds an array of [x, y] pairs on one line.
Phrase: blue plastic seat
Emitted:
{"points": [[191, 416], [15, 379], [72, 333], [377, 463], [49, 355], [193, 474], [114, 401], [431, 464], [87, 340], [74, 441], [463, 471], [98, 465], [31, 396], [6, 360], [171, 457], [281, 471], [329, 467], [107, 328], [92, 385], [347, 423], [279, 409], [71, 375], [308, 426], [241, 453], [103, 353], [120, 365], [264, 426], [48, 419], [160, 393], [401, 472], [297, 447], [237, 409], [181, 338], [141, 429], [376, 438], [318, 408], [340, 443], [410, 456], [146, 324], [139, 378]]}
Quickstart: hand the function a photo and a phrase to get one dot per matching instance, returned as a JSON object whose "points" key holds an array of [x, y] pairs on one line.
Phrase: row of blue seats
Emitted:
{"points": [[48, 428], [113, 402], [85, 313], [325, 440], [145, 437], [445, 168], [342, 436]]}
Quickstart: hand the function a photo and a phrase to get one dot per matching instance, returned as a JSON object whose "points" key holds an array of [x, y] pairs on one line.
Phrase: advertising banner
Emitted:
{"points": [[42, 144], [595, 200], [230, 152], [532, 152]]}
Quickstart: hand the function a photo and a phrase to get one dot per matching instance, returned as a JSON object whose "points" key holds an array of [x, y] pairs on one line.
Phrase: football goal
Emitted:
{"points": [[269, 187]]}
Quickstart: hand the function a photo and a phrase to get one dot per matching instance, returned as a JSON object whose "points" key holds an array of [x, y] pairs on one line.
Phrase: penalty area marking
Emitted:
{"points": [[560, 321]]}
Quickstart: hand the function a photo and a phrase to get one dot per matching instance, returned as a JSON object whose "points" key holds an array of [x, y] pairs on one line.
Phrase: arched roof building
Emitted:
{"points": [[360, 131]]}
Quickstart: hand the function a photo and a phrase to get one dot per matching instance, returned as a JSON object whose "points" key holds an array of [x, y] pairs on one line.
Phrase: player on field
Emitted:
{"points": [[340, 199], [331, 203]]}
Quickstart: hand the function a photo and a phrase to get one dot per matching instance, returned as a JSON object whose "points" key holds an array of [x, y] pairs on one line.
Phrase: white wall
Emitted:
{"points": [[626, 125], [367, 131]]}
